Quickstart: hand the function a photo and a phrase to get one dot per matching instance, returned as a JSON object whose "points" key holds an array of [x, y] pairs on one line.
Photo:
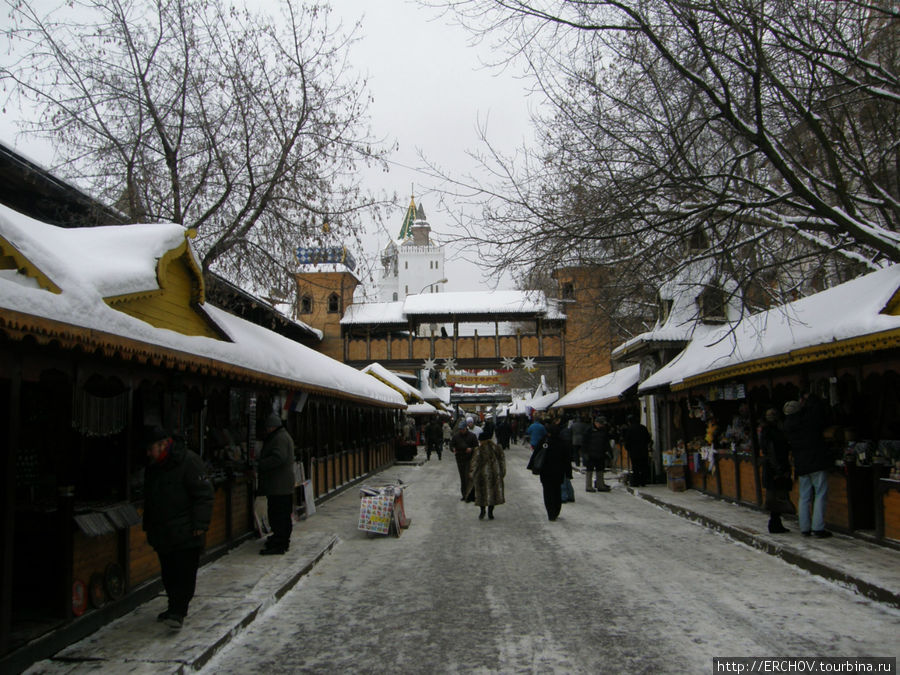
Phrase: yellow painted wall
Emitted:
{"points": [[174, 305]]}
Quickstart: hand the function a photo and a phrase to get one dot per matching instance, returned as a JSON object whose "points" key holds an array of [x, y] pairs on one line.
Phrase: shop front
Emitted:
{"points": [[716, 394]]}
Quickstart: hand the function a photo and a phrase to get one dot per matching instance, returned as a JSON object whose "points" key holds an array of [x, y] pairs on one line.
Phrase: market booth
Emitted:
{"points": [[842, 345], [614, 396], [104, 331]]}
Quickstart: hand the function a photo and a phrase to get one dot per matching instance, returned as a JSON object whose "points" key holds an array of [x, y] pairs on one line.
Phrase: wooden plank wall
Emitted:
{"points": [[891, 504]]}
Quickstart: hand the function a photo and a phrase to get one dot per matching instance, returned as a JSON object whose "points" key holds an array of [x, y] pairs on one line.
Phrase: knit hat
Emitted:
{"points": [[273, 421], [154, 433], [771, 415], [462, 424], [791, 407]]}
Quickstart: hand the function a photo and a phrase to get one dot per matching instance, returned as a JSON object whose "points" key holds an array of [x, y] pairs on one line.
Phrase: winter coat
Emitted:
{"points": [[462, 440], [486, 472], [433, 432], [776, 454], [596, 443], [275, 468], [804, 430], [178, 500], [557, 462], [503, 433], [580, 429], [636, 440], [536, 433]]}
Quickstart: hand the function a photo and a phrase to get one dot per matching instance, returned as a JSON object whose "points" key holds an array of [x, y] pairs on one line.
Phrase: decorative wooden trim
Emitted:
{"points": [[18, 326], [884, 340], [30, 269]]}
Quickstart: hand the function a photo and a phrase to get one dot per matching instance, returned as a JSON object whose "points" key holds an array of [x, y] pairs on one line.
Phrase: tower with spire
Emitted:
{"points": [[412, 263]]}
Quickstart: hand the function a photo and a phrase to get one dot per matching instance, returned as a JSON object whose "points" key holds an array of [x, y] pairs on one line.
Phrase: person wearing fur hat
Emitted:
{"points": [[486, 472], [275, 473], [178, 505]]}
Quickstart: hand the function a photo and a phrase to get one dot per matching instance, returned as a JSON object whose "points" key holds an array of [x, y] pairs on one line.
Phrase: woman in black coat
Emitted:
{"points": [[557, 467]]}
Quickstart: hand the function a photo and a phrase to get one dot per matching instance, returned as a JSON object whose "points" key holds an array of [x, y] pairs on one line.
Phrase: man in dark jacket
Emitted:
{"points": [[557, 468], [595, 447], [275, 472], [804, 422], [178, 504], [637, 444], [462, 443], [434, 437]]}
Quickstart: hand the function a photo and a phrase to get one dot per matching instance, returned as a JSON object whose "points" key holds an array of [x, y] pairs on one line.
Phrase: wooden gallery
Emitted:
{"points": [[103, 331]]}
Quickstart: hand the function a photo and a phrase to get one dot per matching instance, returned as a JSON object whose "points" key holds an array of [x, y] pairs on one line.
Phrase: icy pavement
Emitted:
{"points": [[617, 584]]}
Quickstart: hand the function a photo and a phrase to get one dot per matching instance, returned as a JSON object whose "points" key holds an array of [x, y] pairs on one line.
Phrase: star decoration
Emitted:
{"points": [[429, 364], [528, 364], [450, 364], [509, 362]]}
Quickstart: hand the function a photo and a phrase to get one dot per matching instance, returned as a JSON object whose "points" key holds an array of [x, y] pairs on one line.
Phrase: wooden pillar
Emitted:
{"points": [[497, 339]]}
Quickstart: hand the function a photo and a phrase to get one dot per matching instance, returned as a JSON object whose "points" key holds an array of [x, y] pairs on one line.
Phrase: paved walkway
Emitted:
{"points": [[236, 588]]}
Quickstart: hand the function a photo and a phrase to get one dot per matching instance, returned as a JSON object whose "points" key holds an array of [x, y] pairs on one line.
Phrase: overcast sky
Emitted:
{"points": [[431, 90]]}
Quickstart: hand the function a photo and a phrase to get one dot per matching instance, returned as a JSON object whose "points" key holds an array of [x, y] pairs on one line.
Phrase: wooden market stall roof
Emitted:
{"points": [[859, 316], [609, 388], [136, 292]]}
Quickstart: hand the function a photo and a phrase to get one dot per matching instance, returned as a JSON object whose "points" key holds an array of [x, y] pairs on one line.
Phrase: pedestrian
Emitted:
{"points": [[565, 436], [637, 444], [447, 433], [556, 468], [596, 445], [434, 436], [580, 428], [536, 432], [178, 505], [474, 428], [804, 422], [275, 471], [776, 473], [503, 433], [462, 443], [486, 473]]}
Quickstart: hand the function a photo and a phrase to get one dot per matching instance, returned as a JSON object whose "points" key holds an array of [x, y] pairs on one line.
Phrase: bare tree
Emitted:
{"points": [[245, 127], [770, 129]]}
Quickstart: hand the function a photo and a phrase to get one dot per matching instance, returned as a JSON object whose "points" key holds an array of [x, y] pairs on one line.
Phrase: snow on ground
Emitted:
{"points": [[615, 585]]}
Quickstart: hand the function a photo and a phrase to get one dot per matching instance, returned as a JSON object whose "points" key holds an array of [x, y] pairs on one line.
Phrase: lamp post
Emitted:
{"points": [[431, 283]]}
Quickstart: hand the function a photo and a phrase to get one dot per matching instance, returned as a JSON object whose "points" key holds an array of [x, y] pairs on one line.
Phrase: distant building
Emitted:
{"points": [[412, 264]]}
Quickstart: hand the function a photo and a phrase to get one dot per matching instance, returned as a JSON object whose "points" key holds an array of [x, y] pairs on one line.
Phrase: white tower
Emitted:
{"points": [[413, 264]]}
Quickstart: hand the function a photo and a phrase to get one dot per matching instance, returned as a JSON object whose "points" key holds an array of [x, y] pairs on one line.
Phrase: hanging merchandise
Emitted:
{"points": [[100, 415]]}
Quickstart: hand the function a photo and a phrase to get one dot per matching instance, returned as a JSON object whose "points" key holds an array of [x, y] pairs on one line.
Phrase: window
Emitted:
{"points": [[568, 291], [665, 308], [306, 305], [395, 297], [712, 305], [334, 303], [406, 264]]}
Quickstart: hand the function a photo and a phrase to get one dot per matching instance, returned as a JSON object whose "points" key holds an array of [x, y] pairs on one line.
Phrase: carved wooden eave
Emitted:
{"points": [[18, 326], [874, 342], [11, 258]]}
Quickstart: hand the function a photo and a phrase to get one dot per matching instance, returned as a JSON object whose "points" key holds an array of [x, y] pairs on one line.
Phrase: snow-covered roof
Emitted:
{"points": [[473, 303], [409, 392], [601, 389], [476, 302], [374, 313], [421, 409], [543, 402], [90, 264], [683, 318], [772, 339]]}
